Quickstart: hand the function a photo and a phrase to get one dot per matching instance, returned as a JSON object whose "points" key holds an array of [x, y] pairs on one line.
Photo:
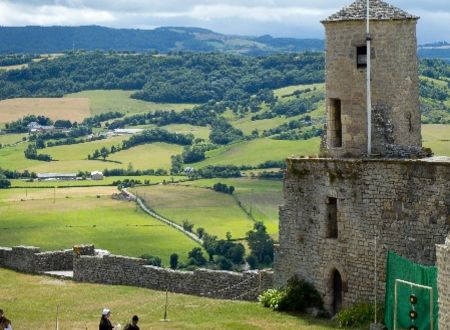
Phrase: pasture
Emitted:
{"points": [[63, 217], [217, 213], [54, 108], [260, 198], [258, 151], [437, 137], [8, 139], [119, 100], [31, 302]]}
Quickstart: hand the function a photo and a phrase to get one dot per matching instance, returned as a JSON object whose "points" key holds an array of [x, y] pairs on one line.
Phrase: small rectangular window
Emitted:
{"points": [[361, 56], [336, 123], [332, 218]]}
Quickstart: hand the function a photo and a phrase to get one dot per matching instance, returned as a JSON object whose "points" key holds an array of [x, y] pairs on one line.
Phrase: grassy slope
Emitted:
{"points": [[119, 100], [11, 138], [259, 197], [197, 131], [437, 137], [260, 150], [31, 301], [80, 216], [216, 212]]}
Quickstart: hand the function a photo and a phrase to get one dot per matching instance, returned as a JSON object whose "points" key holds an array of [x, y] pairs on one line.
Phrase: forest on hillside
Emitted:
{"points": [[198, 78]]}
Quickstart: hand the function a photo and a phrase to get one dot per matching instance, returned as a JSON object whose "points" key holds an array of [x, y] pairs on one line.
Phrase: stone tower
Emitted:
{"points": [[396, 129], [335, 207]]}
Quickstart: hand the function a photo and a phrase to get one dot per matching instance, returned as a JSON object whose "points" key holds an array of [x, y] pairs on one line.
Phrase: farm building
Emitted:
{"points": [[96, 175], [56, 176], [367, 196]]}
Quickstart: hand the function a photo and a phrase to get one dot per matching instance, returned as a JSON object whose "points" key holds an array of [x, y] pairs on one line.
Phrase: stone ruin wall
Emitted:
{"points": [[110, 269], [90, 267], [443, 263], [407, 203]]}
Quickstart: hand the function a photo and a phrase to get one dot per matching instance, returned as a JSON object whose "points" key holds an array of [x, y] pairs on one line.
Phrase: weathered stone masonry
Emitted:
{"points": [[88, 266], [443, 263], [405, 202]]}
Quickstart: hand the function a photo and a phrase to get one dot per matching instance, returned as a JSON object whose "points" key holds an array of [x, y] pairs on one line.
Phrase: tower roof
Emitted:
{"points": [[379, 10]]}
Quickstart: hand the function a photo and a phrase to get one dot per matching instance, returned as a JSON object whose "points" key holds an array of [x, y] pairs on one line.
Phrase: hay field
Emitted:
{"points": [[54, 108]]}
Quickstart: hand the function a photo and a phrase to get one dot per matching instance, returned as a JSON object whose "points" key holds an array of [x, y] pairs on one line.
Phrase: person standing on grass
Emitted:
{"points": [[133, 325], [5, 324], [105, 323]]}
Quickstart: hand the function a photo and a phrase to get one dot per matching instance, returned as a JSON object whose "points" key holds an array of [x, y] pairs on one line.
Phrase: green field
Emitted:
{"points": [[258, 151], [217, 213], [198, 131], [155, 155], [31, 302], [73, 158], [7, 139], [261, 198], [105, 182], [85, 215], [437, 137], [119, 100]]}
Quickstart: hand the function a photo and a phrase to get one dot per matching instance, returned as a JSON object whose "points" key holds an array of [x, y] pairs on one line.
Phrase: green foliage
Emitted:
{"points": [[193, 154], [152, 260], [272, 298], [20, 126], [359, 315], [223, 188], [431, 90], [223, 132], [224, 171], [261, 244], [298, 296], [174, 261], [187, 225], [31, 153], [157, 135], [4, 183], [196, 257]]}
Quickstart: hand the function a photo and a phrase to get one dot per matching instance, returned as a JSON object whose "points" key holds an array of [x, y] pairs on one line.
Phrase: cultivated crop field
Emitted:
{"points": [[31, 302], [102, 101], [53, 108], [63, 217], [217, 213]]}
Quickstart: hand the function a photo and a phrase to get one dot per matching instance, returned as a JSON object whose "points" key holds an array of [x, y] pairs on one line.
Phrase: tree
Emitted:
{"points": [[261, 244], [196, 257], [187, 225], [96, 154], [4, 183], [174, 261], [200, 232], [104, 152]]}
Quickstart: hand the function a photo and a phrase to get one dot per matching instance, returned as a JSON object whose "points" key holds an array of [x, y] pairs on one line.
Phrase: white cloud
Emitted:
{"points": [[295, 18]]}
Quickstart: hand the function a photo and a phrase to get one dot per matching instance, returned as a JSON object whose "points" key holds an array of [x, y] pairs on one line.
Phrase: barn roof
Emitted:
{"points": [[379, 10]]}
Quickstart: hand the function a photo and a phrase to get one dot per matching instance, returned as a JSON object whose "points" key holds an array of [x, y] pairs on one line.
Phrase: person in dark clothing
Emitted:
{"points": [[5, 324], [105, 323], [133, 325]]}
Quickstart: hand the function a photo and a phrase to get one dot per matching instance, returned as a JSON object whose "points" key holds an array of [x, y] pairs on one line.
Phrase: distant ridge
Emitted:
{"points": [[37, 39]]}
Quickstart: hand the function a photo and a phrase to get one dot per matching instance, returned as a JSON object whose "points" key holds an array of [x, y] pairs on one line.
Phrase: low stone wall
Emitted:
{"points": [[443, 263], [120, 270], [29, 259], [91, 267]]}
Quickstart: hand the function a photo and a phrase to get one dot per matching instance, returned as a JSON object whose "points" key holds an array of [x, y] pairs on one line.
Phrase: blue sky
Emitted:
{"points": [[282, 18]]}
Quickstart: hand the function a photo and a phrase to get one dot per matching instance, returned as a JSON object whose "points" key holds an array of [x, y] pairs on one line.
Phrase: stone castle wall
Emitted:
{"points": [[395, 87], [89, 267], [112, 269], [443, 263], [31, 260], [406, 203]]}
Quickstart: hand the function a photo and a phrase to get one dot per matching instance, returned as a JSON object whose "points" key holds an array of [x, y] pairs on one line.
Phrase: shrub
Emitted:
{"points": [[196, 257], [296, 297], [174, 261], [188, 226], [358, 315], [152, 260], [271, 298]]}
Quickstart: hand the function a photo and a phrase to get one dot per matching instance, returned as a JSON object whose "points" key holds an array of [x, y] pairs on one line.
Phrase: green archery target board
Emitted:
{"points": [[411, 295]]}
